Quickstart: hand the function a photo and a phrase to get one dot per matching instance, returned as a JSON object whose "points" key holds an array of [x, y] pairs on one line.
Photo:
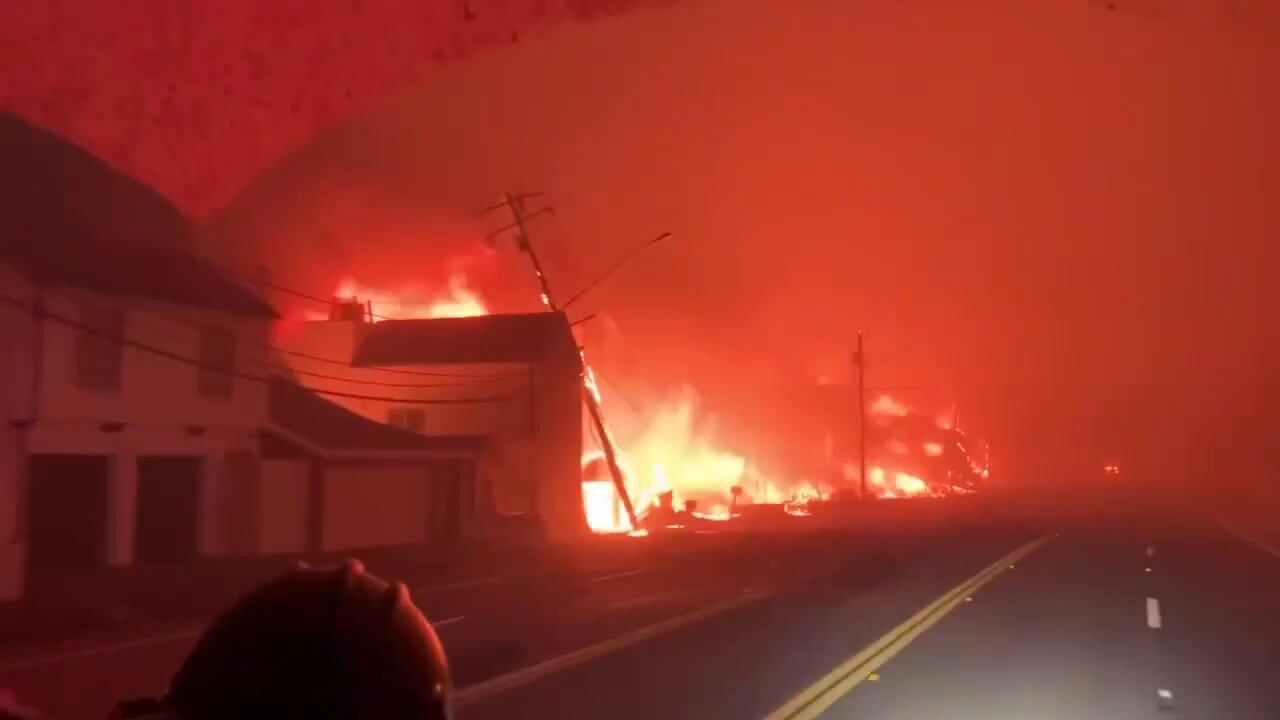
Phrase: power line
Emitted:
{"points": [[519, 219], [261, 278], [394, 371], [421, 373], [15, 302], [253, 278], [476, 379], [614, 268], [377, 383], [635, 409]]}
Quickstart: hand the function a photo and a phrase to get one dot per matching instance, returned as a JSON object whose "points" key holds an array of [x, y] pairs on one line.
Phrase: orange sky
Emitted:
{"points": [[1028, 200]]}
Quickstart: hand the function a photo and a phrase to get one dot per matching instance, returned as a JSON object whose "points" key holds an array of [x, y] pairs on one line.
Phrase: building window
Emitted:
{"points": [[217, 360], [409, 418], [100, 348]]}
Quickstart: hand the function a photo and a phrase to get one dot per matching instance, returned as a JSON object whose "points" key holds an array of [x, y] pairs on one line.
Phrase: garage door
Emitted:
{"points": [[168, 501], [67, 512]]}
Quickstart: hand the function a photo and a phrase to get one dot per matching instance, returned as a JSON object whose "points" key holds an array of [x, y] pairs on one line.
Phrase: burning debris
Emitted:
{"points": [[912, 455], [672, 465], [412, 301], [675, 471]]}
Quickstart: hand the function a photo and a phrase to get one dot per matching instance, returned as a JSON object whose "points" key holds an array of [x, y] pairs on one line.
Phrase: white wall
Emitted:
{"points": [[508, 469], [154, 389], [558, 443], [13, 551], [375, 506], [282, 528], [157, 403], [533, 460], [17, 330], [75, 438], [337, 340]]}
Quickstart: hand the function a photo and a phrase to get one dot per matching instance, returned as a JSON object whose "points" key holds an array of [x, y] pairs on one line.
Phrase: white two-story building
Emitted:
{"points": [[514, 380], [130, 409]]}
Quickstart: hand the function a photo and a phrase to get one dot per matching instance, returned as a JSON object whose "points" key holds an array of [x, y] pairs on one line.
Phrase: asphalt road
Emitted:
{"points": [[490, 627], [1128, 617], [740, 631]]}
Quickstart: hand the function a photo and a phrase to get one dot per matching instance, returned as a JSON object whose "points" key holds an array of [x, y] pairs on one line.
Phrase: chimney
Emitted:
{"points": [[347, 310]]}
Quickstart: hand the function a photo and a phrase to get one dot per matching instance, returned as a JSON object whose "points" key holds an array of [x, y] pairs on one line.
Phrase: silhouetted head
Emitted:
{"points": [[332, 643]]}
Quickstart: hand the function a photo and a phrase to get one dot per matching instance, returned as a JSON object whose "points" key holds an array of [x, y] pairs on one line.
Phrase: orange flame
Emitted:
{"points": [[675, 453], [883, 483], [670, 453], [890, 482], [413, 301], [885, 405], [908, 485]]}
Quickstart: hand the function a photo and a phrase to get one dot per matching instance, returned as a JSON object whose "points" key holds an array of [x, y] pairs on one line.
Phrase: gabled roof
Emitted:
{"points": [[334, 429], [527, 338], [70, 218]]}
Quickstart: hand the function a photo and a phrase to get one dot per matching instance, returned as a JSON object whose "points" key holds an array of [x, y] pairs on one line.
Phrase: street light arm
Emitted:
{"points": [[614, 268]]}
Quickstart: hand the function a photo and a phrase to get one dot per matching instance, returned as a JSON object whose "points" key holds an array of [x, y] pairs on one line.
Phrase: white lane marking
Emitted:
{"points": [[526, 675], [1151, 551], [1153, 613], [1164, 694], [477, 582], [647, 599], [95, 651], [1264, 547], [615, 576], [99, 650]]}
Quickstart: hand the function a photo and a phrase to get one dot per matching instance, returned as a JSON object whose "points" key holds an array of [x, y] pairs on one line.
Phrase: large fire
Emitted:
{"points": [[672, 452], [891, 469], [675, 454], [670, 461], [413, 301]]}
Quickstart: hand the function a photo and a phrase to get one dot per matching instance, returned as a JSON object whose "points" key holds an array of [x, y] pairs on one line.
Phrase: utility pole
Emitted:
{"points": [[525, 244], [861, 366]]}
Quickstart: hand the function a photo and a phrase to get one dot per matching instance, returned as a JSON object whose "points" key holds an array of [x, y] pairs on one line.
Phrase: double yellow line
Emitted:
{"points": [[820, 696]]}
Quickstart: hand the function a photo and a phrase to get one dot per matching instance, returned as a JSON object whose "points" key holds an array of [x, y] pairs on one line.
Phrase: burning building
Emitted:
{"points": [[669, 448], [911, 453], [513, 379], [674, 458]]}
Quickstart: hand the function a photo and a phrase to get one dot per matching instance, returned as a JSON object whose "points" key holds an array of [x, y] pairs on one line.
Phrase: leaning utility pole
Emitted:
{"points": [[861, 367], [525, 244]]}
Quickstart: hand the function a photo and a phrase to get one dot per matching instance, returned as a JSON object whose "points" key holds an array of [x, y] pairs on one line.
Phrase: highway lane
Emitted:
{"points": [[1062, 635], [1123, 620], [1221, 616], [493, 628], [83, 679], [738, 630], [489, 627], [743, 662], [1144, 616]]}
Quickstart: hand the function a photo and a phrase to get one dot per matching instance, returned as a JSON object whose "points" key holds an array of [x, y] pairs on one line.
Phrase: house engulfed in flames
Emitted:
{"points": [[521, 381], [667, 449]]}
